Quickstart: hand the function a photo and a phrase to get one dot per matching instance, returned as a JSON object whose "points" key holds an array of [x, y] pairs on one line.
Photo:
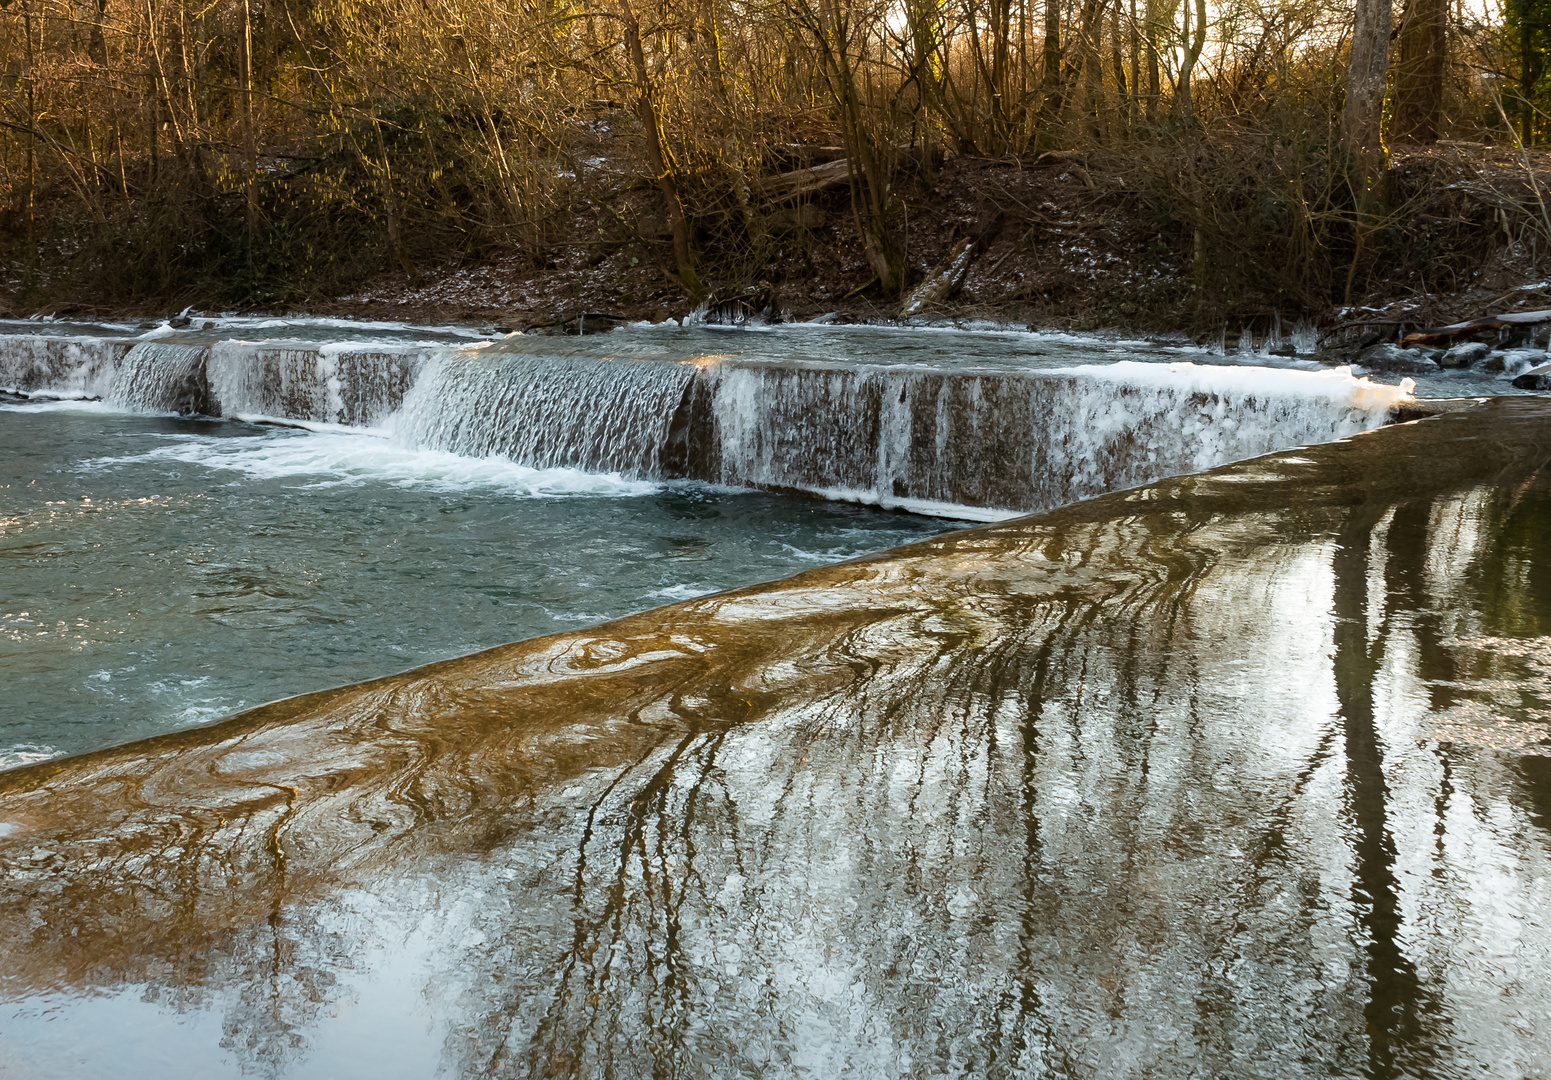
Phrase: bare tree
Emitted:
{"points": [[841, 36], [658, 152], [1193, 40], [1419, 74], [1362, 119]]}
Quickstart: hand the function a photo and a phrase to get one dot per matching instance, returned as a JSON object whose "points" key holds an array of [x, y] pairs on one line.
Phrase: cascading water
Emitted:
{"points": [[1016, 441], [155, 376], [959, 441], [59, 367], [589, 413], [359, 385]]}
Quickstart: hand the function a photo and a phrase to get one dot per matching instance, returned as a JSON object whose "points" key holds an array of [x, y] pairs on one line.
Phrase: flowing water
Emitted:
{"points": [[157, 572], [435, 493], [1237, 775], [977, 425]]}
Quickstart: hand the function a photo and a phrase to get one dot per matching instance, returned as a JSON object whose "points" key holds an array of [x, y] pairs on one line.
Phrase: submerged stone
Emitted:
{"points": [[1237, 774], [1392, 358], [1513, 361], [1536, 378], [1465, 354]]}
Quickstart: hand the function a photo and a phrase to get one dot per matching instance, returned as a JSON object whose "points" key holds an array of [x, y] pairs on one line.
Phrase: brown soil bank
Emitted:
{"points": [[1223, 231]]}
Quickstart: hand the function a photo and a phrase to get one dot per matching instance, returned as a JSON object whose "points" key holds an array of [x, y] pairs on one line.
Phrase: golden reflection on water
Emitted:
{"points": [[1225, 776]]}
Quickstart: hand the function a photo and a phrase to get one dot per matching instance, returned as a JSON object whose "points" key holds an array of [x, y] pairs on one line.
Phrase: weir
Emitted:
{"points": [[594, 414], [360, 386], [961, 442], [157, 377], [56, 366], [1003, 440]]}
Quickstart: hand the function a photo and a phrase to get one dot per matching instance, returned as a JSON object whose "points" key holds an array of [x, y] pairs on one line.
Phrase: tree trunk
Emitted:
{"points": [[871, 176], [249, 135], [658, 154], [869, 153], [1419, 80], [96, 44], [925, 18], [1092, 68], [390, 203], [31, 194], [1154, 81], [1136, 80], [1529, 75], [1001, 32], [155, 126], [1195, 41], [1051, 80], [1123, 86], [1362, 133]]}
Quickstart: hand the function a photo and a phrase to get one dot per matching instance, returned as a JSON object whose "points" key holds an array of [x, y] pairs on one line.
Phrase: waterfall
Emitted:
{"points": [[356, 384], [159, 377], [963, 442], [58, 366], [582, 412], [1023, 441]]}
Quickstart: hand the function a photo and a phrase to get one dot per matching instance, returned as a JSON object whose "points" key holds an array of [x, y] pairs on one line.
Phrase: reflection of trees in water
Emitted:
{"points": [[1515, 583], [272, 984], [874, 861], [1498, 585], [1068, 807], [952, 862], [290, 981], [1404, 1019]]}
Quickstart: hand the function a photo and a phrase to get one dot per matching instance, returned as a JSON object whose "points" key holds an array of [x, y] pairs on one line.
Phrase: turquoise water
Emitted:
{"points": [[157, 573]]}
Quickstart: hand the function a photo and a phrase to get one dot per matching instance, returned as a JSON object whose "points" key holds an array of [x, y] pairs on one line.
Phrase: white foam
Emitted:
{"points": [[332, 458], [924, 507], [19, 754], [251, 322], [32, 323], [376, 346], [50, 395], [334, 348], [680, 592], [310, 425], [1334, 385]]}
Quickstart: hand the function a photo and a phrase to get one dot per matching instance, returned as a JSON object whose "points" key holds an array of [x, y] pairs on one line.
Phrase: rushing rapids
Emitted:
{"points": [[944, 439], [1241, 774]]}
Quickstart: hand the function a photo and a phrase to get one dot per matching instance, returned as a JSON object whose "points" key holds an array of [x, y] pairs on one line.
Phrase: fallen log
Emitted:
{"points": [[1447, 335], [784, 187], [944, 281]]}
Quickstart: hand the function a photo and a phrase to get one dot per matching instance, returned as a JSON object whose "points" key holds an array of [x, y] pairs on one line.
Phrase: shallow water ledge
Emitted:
{"points": [[934, 431], [1238, 774]]}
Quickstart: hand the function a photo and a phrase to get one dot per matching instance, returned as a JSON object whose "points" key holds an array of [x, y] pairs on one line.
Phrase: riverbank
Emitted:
{"points": [[1083, 241]]}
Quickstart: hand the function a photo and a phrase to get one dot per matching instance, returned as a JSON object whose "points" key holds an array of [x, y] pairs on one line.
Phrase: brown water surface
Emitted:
{"points": [[1242, 774]]}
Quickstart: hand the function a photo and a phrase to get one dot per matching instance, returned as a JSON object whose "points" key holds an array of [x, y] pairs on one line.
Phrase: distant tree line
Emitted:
{"points": [[271, 147]]}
